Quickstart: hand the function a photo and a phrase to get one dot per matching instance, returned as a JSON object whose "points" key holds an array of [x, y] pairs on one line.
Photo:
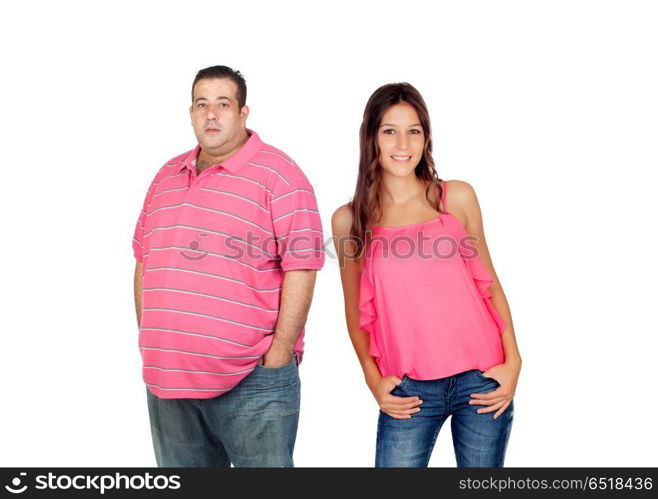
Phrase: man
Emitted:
{"points": [[227, 246]]}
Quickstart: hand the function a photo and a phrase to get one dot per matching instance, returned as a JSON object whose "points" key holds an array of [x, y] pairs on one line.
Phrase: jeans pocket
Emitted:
{"points": [[278, 368], [483, 377], [399, 387], [265, 377]]}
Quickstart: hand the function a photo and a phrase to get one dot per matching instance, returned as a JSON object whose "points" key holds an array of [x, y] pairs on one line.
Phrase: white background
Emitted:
{"points": [[549, 109]]}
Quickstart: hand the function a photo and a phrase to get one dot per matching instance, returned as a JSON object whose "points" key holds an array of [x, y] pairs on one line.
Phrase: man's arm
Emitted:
{"points": [[138, 291], [296, 297]]}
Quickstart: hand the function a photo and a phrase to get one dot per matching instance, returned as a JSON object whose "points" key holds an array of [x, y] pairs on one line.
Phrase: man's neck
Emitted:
{"points": [[206, 160]]}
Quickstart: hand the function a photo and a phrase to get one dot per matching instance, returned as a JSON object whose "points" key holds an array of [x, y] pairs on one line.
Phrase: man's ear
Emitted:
{"points": [[191, 108], [244, 112]]}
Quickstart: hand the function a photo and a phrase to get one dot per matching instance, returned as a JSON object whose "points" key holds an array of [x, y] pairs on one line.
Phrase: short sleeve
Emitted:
{"points": [[138, 235], [297, 224]]}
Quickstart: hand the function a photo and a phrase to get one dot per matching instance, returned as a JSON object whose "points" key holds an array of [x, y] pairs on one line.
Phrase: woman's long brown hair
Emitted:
{"points": [[366, 205]]}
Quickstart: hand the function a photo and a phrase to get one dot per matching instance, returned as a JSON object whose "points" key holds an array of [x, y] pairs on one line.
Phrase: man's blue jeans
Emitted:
{"points": [[479, 440], [253, 425]]}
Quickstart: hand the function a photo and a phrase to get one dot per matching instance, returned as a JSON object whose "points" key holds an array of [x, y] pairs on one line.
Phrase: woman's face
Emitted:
{"points": [[401, 140]]}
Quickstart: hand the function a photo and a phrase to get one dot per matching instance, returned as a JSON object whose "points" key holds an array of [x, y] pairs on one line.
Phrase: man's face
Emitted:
{"points": [[219, 124]]}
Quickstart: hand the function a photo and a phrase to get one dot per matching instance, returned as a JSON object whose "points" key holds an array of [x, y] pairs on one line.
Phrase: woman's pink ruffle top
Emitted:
{"points": [[424, 299]]}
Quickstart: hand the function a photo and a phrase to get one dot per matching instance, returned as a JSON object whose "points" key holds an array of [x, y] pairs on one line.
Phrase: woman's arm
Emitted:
{"points": [[350, 275], [463, 202]]}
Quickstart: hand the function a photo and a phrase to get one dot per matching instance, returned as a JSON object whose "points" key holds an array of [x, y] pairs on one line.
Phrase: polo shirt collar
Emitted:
{"points": [[232, 164]]}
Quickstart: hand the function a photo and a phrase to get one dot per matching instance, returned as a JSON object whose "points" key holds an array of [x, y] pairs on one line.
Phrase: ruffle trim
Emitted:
{"points": [[367, 307], [482, 279]]}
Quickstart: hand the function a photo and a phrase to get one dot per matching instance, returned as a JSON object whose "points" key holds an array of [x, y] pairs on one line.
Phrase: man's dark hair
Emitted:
{"points": [[224, 72]]}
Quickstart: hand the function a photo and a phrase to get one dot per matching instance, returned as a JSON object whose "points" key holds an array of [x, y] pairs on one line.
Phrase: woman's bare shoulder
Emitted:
{"points": [[341, 220], [459, 194]]}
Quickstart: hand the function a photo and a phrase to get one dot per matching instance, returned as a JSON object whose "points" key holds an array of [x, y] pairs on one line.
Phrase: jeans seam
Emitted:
{"points": [[431, 448], [377, 444]]}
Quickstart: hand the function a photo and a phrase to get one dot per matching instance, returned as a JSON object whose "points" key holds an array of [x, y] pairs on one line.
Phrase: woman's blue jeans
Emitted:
{"points": [[479, 440]]}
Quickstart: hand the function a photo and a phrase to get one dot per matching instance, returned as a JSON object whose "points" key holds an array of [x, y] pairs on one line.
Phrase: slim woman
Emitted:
{"points": [[425, 310]]}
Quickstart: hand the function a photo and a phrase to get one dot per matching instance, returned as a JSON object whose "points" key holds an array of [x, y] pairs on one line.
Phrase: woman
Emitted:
{"points": [[426, 314]]}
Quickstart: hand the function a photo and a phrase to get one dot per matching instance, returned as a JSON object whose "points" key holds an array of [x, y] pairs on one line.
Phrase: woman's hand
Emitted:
{"points": [[507, 374], [394, 406]]}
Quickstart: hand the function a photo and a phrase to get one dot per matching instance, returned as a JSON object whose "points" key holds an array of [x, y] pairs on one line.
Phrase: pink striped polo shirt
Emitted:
{"points": [[214, 248]]}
